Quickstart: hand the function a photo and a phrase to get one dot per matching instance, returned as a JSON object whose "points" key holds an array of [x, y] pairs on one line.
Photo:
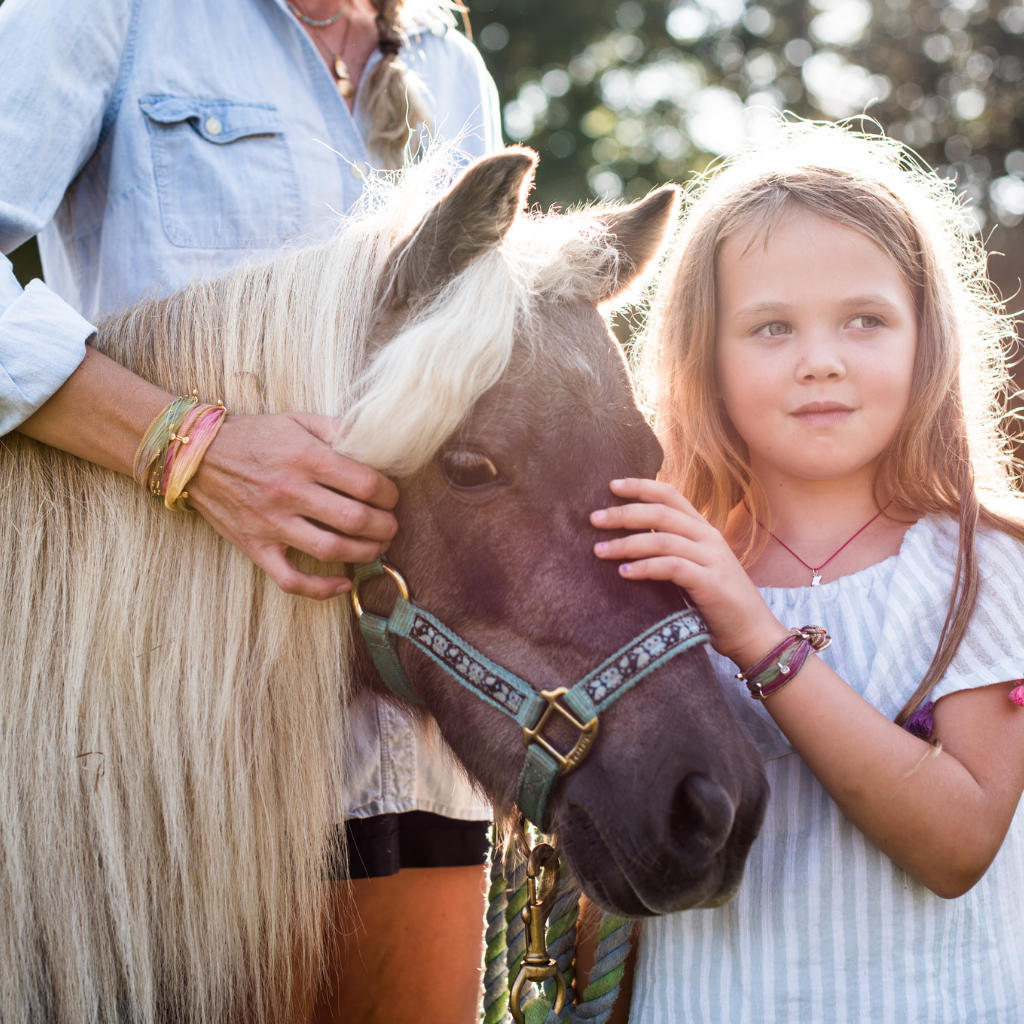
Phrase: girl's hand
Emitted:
{"points": [[680, 546], [269, 483]]}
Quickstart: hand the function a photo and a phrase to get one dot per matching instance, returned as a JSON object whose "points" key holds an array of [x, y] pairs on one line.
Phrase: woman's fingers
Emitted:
{"points": [[347, 516], [343, 474], [279, 568], [269, 483], [328, 546]]}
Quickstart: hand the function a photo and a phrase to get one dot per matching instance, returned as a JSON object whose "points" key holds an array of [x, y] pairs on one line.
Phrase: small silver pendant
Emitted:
{"points": [[815, 578]]}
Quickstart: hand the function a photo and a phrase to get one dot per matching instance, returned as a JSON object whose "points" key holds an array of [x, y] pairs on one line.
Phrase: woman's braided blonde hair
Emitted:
{"points": [[390, 104]]}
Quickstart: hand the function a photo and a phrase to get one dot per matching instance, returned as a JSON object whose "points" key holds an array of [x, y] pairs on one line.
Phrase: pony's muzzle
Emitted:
{"points": [[700, 818]]}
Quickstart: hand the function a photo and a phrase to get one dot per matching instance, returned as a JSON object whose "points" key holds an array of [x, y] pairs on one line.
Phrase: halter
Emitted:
{"points": [[579, 705]]}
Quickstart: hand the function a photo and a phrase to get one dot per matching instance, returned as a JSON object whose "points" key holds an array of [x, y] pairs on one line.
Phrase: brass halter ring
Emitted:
{"points": [[403, 588]]}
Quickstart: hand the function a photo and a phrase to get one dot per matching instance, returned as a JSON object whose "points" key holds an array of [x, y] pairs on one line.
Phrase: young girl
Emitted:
{"points": [[829, 363]]}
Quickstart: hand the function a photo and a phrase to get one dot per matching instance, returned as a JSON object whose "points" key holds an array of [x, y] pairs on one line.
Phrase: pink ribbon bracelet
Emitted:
{"points": [[781, 664]]}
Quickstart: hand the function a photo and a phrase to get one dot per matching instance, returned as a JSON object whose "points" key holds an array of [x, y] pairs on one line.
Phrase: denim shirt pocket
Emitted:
{"points": [[224, 174]]}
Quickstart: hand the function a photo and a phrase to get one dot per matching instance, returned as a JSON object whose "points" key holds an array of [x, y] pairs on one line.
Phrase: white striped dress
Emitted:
{"points": [[826, 927]]}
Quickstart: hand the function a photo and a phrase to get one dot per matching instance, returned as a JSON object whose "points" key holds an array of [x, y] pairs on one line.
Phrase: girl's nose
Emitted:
{"points": [[820, 361]]}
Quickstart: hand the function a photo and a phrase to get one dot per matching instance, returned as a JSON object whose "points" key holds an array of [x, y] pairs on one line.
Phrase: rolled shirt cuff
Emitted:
{"points": [[42, 342]]}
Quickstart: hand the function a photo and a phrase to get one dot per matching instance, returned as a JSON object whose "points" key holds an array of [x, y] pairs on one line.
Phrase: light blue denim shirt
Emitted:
{"points": [[148, 142]]}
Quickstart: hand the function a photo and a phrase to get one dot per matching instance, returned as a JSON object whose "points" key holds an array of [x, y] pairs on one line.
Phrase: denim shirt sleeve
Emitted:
{"points": [[60, 61]]}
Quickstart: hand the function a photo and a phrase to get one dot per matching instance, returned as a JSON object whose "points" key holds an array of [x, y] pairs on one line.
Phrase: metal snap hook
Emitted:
{"points": [[537, 965]]}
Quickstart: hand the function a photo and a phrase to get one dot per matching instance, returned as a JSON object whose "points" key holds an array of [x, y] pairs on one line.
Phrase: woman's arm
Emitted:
{"points": [[942, 815], [267, 483]]}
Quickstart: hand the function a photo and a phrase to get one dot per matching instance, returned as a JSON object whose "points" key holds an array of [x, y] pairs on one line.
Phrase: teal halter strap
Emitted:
{"points": [[504, 690]]}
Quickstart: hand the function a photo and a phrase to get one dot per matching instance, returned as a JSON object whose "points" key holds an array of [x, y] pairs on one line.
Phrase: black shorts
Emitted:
{"points": [[385, 843]]}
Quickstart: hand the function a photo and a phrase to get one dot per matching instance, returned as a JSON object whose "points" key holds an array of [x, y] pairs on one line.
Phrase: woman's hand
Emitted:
{"points": [[677, 544], [269, 483]]}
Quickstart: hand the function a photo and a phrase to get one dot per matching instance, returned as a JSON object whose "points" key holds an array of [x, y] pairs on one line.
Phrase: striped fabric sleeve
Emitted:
{"points": [[992, 650]]}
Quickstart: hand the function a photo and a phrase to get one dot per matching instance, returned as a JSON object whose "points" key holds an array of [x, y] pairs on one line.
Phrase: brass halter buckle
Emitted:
{"points": [[537, 965], [585, 740], [403, 588]]}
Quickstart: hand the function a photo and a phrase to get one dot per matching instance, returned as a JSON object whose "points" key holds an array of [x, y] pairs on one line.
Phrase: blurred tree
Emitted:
{"points": [[619, 96]]}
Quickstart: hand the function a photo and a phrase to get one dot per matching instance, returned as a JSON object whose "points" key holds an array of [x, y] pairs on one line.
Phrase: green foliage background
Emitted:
{"points": [[621, 96], [616, 103]]}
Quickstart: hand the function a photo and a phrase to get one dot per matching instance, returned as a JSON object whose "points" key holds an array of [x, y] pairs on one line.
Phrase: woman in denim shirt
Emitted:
{"points": [[150, 141]]}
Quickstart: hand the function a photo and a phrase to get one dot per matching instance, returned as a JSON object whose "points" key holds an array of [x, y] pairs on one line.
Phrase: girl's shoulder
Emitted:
{"points": [[992, 650], [933, 543]]}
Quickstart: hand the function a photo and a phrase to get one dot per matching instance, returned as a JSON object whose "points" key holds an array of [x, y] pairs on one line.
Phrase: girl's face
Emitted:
{"points": [[815, 344]]}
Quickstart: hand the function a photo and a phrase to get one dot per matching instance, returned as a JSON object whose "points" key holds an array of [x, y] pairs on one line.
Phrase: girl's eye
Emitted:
{"points": [[866, 322], [773, 330], [468, 469]]}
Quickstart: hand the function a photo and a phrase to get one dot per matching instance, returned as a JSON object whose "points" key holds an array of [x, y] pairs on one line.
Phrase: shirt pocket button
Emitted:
{"points": [[213, 126]]}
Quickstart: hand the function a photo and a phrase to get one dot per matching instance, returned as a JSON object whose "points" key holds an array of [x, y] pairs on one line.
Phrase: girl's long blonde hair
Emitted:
{"points": [[951, 453]]}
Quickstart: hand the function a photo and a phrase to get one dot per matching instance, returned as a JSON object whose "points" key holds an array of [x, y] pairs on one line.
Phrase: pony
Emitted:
{"points": [[172, 726]]}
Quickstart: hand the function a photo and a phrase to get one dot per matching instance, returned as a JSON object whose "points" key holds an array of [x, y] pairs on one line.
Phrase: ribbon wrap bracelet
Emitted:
{"points": [[173, 447], [780, 665]]}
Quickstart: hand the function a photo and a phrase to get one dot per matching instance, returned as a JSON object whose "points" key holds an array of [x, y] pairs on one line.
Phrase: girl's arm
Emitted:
{"points": [[941, 815]]}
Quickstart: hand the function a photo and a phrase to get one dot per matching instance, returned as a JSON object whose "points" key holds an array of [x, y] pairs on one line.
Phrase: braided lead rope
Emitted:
{"points": [[505, 901], [495, 969], [515, 933], [609, 966], [561, 935]]}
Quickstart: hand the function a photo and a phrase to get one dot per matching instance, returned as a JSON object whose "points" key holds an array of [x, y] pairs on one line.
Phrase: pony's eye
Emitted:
{"points": [[467, 469]]}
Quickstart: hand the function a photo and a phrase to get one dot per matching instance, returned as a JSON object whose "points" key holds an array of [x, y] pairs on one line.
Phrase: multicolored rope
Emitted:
{"points": [[609, 966], [505, 903], [495, 967], [515, 934], [561, 934]]}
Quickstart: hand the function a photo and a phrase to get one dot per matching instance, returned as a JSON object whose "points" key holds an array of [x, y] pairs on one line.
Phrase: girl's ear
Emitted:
{"points": [[639, 233]]}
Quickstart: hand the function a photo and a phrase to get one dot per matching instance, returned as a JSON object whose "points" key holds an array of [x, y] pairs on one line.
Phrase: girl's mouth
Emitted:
{"points": [[822, 414]]}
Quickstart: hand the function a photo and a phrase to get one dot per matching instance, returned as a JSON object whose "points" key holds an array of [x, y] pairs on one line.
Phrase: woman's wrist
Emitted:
{"points": [[100, 413]]}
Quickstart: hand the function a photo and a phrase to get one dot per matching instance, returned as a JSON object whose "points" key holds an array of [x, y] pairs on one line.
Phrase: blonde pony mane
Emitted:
{"points": [[170, 722]]}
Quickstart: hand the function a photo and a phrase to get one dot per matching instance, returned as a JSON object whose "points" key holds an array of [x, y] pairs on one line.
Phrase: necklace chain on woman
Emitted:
{"points": [[816, 572], [345, 84], [305, 18]]}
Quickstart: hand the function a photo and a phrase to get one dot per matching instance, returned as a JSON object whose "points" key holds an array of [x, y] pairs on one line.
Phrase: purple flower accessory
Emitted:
{"points": [[920, 723]]}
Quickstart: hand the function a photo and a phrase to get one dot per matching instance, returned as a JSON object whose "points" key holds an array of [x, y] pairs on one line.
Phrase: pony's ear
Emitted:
{"points": [[638, 234], [472, 218]]}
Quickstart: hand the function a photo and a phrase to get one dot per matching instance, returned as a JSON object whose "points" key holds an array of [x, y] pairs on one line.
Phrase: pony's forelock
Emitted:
{"points": [[456, 345]]}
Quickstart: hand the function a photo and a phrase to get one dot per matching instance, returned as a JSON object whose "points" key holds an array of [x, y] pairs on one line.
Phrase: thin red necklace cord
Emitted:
{"points": [[816, 572]]}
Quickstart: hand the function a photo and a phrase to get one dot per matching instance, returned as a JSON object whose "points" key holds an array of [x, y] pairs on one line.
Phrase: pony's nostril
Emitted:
{"points": [[701, 814]]}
